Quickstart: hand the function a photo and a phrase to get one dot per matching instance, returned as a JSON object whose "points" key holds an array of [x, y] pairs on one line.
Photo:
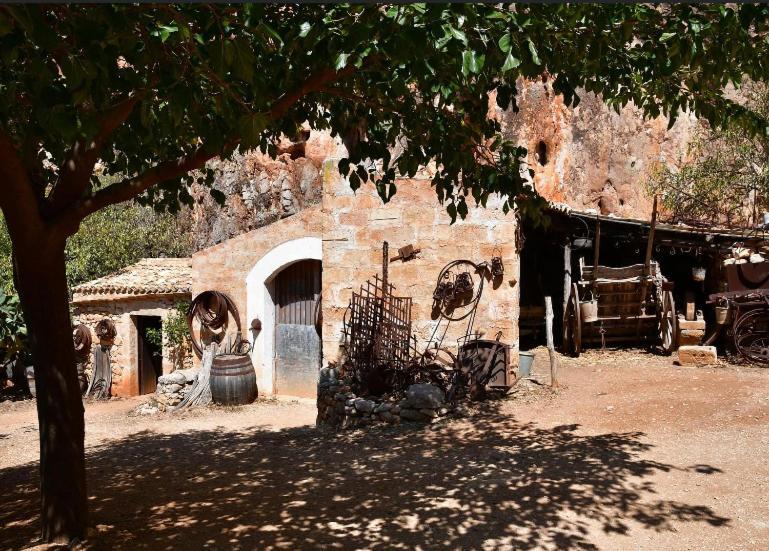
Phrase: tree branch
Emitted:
{"points": [[313, 83], [75, 173], [17, 195], [129, 188], [132, 187]]}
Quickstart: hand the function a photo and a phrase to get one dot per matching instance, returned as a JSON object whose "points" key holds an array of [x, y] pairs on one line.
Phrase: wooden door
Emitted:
{"points": [[150, 352], [297, 339]]}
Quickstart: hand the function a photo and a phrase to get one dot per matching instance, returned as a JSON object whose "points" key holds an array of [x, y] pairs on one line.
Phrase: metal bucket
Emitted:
{"points": [[588, 310], [525, 361], [722, 315]]}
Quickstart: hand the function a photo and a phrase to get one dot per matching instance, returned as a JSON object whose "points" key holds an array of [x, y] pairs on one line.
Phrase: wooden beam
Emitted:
{"points": [[647, 263]]}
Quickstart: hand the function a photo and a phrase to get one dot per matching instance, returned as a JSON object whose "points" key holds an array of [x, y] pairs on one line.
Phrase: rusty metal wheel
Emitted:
{"points": [[751, 335]]}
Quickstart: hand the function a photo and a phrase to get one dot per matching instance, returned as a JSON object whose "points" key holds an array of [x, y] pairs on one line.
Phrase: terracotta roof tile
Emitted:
{"points": [[149, 276]]}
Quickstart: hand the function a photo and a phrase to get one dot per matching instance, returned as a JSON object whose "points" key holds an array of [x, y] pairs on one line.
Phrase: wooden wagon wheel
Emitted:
{"points": [[572, 324], [667, 323], [577, 329]]}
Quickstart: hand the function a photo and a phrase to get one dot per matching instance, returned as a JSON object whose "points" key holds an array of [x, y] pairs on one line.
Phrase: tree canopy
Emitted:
{"points": [[109, 240], [154, 91], [725, 175]]}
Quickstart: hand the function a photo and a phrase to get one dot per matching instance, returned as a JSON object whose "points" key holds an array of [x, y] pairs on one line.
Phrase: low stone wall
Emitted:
{"points": [[340, 407], [172, 388]]}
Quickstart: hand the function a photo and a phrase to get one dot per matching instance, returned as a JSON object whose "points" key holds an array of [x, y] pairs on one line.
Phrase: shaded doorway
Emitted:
{"points": [[543, 265], [296, 292], [149, 352]]}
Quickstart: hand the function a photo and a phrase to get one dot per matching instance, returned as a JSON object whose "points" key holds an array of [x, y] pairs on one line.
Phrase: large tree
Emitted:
{"points": [[153, 92]]}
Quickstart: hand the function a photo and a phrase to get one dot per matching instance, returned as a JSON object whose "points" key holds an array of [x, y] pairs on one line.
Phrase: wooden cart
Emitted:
{"points": [[634, 306]]}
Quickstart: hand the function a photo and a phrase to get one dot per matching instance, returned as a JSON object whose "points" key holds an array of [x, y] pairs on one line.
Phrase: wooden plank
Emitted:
{"points": [[596, 248], [566, 275], [550, 346], [647, 260]]}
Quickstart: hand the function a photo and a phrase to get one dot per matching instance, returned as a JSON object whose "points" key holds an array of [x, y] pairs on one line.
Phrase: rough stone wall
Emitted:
{"points": [[260, 190], [224, 267], [123, 355], [352, 227], [352, 253], [589, 156]]}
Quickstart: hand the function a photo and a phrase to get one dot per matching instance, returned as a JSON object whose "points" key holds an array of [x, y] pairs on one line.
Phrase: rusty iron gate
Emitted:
{"points": [[297, 331]]}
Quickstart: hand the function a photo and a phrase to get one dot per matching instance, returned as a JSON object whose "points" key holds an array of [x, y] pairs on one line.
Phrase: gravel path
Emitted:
{"points": [[632, 453]]}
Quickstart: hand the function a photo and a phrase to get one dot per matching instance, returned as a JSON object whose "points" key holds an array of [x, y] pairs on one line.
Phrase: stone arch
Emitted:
{"points": [[260, 305]]}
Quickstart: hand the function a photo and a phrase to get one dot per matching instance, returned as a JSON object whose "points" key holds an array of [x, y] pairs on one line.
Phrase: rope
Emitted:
{"points": [[105, 330], [211, 309]]}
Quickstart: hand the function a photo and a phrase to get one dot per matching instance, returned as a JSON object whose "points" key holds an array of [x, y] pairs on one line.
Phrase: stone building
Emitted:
{"points": [[293, 223], [137, 299], [327, 251]]}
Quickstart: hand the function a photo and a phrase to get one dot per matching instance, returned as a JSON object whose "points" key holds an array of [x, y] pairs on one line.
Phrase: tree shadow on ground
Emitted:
{"points": [[486, 482]]}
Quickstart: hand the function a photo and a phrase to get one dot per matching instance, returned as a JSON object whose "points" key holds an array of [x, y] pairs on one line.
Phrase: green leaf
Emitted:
{"points": [[511, 62], [667, 36], [218, 196], [459, 35], [533, 51], [264, 27], [505, 42], [341, 61], [452, 210], [344, 166], [250, 128], [472, 62], [354, 181], [304, 29], [462, 209]]}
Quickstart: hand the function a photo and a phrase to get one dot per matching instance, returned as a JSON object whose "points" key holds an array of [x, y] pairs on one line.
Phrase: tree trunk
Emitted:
{"points": [[42, 286]]}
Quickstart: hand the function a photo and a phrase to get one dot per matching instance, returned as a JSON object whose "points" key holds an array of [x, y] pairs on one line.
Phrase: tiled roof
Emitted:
{"points": [[149, 276]]}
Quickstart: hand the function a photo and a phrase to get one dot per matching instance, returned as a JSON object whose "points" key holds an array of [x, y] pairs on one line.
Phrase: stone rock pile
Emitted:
{"points": [[172, 388], [339, 407]]}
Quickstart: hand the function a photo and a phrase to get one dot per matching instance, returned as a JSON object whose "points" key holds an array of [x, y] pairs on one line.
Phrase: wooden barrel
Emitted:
{"points": [[233, 380]]}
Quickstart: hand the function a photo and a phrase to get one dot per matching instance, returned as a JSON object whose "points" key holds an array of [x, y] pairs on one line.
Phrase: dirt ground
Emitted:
{"points": [[632, 453]]}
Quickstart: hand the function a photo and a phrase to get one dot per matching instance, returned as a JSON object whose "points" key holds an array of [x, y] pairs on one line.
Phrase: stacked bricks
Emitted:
{"points": [[690, 332]]}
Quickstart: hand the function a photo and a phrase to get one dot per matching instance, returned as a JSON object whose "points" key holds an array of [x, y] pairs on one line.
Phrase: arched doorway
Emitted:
{"points": [[296, 294], [262, 306]]}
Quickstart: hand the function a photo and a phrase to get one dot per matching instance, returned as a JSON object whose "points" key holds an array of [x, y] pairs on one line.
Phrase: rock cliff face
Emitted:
{"points": [[588, 157], [260, 190]]}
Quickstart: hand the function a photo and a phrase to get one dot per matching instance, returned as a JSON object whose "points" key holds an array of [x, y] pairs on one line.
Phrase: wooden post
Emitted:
{"points": [[650, 241], [647, 264], [566, 274], [550, 346], [596, 254]]}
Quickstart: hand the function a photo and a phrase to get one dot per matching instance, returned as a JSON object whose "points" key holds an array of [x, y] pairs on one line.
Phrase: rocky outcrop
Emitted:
{"points": [[586, 156], [589, 156], [259, 190]]}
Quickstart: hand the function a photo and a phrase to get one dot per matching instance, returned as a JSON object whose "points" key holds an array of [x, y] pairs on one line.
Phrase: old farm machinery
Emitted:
{"points": [[620, 305], [744, 310], [382, 352]]}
